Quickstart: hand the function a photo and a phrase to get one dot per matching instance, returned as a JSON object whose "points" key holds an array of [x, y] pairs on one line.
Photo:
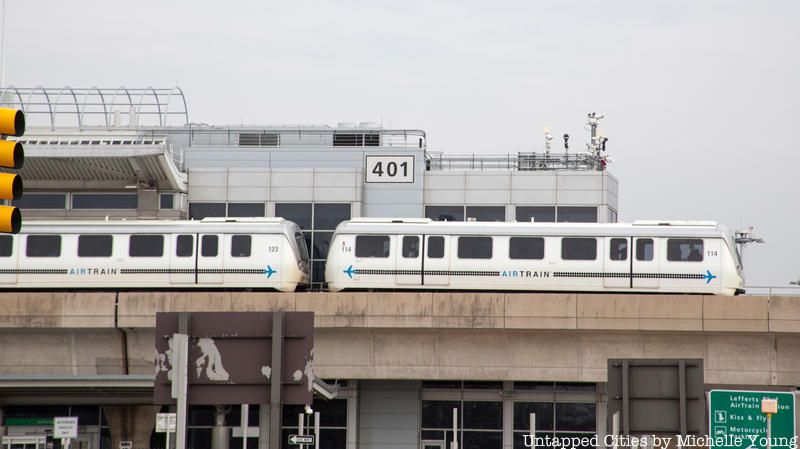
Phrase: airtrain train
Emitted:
{"points": [[645, 256], [268, 253], [374, 254]]}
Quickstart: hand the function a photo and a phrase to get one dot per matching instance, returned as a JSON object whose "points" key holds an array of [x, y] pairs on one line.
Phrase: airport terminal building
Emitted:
{"points": [[395, 365]]}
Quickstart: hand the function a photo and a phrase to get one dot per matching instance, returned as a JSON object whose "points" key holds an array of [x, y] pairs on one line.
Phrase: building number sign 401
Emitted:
{"points": [[389, 169]]}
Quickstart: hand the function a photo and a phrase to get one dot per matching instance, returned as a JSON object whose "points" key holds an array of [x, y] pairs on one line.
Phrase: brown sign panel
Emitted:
{"points": [[230, 357], [657, 396]]}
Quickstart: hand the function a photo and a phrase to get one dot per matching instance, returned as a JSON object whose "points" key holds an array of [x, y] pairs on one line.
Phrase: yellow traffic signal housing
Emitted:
{"points": [[12, 123]]}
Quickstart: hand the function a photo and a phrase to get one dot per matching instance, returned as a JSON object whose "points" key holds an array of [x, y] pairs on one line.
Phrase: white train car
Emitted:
{"points": [[262, 253], [647, 257]]}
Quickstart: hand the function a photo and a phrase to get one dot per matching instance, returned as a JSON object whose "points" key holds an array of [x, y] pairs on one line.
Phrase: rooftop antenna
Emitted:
{"points": [[597, 142], [547, 139], [744, 236], [566, 143]]}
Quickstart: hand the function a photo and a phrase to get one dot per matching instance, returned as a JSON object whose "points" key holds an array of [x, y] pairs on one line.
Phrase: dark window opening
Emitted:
{"points": [[644, 249], [526, 248], [474, 247], [299, 213], [240, 246], [685, 250], [539, 214], [185, 246], [146, 246], [246, 210], [486, 213], [618, 249], [210, 246], [199, 211], [167, 201], [572, 214], [6, 245], [410, 247], [445, 213], [105, 200], [95, 245], [43, 246], [372, 246], [578, 249], [435, 247]]}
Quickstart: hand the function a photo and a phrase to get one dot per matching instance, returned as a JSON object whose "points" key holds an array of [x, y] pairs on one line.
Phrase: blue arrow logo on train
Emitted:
{"points": [[349, 271], [269, 271], [708, 276]]}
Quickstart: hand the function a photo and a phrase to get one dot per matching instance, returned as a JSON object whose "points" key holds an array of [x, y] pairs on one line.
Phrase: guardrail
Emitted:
{"points": [[772, 290], [520, 161]]}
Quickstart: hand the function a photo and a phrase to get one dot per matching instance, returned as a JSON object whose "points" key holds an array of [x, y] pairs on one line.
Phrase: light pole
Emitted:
{"points": [[769, 407]]}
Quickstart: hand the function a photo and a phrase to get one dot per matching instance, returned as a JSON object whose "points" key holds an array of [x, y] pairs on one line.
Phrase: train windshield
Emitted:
{"points": [[301, 246]]}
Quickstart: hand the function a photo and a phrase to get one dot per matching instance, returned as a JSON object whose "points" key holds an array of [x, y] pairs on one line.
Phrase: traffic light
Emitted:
{"points": [[12, 123]]}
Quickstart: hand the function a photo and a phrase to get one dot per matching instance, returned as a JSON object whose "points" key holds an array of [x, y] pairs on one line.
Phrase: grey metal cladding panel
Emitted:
{"points": [[393, 210], [248, 177], [389, 415], [484, 180], [215, 194], [208, 178], [393, 420], [336, 194], [533, 197], [443, 197], [380, 437], [533, 181], [398, 196], [494, 197], [579, 197], [337, 178], [248, 194], [292, 178], [445, 180], [580, 181]]}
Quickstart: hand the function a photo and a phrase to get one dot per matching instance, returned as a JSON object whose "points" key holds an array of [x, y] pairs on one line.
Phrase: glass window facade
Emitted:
{"points": [[537, 214], [486, 213], [246, 209], [105, 200], [42, 201], [333, 423], [199, 211], [166, 201], [577, 214], [445, 213]]}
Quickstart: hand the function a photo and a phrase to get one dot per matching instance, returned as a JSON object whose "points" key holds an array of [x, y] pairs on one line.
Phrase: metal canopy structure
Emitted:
{"points": [[97, 389], [87, 107]]}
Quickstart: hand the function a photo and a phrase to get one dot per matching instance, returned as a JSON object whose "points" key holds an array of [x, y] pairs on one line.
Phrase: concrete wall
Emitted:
{"points": [[564, 337]]}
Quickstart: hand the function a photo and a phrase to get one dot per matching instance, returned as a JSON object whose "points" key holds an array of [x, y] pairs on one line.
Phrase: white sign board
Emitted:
{"points": [[389, 169], [65, 427], [166, 422]]}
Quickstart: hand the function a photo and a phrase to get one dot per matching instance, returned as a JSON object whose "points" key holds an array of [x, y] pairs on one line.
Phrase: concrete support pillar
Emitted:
{"points": [[263, 426], [131, 423], [220, 434]]}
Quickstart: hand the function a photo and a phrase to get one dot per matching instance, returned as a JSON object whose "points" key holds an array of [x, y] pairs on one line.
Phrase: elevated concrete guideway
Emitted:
{"points": [[478, 336]]}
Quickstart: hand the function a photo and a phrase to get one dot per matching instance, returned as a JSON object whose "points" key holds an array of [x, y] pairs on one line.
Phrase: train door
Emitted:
{"points": [[646, 266], [409, 260], [182, 259], [436, 261], [210, 259], [617, 263], [8, 259]]}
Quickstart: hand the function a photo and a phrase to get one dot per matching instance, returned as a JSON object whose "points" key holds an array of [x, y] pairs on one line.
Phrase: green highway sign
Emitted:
{"points": [[29, 422], [735, 420]]}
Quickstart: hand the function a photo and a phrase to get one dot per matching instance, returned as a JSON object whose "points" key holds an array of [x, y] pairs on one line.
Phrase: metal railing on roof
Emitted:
{"points": [[519, 161], [772, 290], [108, 107]]}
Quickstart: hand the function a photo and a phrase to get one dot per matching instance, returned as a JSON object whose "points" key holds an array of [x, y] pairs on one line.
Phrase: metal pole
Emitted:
{"points": [[245, 424], [769, 429], [276, 381], [533, 428], [300, 419], [615, 430], [316, 430], [166, 443], [454, 443]]}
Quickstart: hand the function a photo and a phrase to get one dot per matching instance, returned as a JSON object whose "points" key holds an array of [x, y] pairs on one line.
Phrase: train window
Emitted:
{"points": [[240, 246], [185, 246], [210, 246], [43, 246], [578, 248], [685, 250], [435, 247], [5, 245], [618, 249], [411, 247], [372, 246], [301, 245], [644, 249], [526, 248], [146, 246], [474, 247], [95, 245]]}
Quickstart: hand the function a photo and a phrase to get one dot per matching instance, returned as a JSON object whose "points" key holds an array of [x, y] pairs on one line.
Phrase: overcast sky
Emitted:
{"points": [[700, 97]]}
